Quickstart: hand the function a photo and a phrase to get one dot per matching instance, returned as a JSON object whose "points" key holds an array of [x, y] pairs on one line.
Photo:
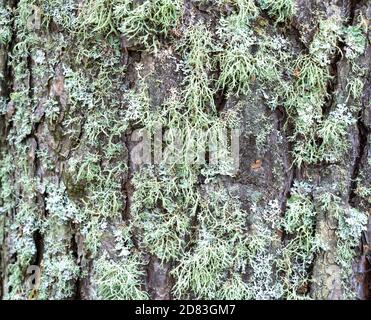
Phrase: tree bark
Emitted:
{"points": [[81, 218]]}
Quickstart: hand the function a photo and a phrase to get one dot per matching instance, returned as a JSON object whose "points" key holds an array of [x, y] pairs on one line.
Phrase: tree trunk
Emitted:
{"points": [[184, 149]]}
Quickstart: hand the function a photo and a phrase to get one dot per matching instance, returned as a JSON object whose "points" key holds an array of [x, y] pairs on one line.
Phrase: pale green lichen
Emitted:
{"points": [[197, 47], [247, 9], [325, 43], [282, 10], [220, 247], [333, 133], [355, 40], [23, 226], [164, 230], [249, 55], [264, 253], [118, 280], [298, 253], [5, 28], [351, 224], [139, 22], [60, 12], [121, 279], [309, 93]]}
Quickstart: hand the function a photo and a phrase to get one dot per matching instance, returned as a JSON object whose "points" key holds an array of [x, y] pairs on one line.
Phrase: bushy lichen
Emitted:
{"points": [[139, 22], [333, 133], [325, 43], [5, 27], [163, 209], [355, 41], [351, 224], [298, 253], [25, 223], [264, 253], [220, 247], [249, 55], [197, 46], [120, 279], [280, 9]]}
